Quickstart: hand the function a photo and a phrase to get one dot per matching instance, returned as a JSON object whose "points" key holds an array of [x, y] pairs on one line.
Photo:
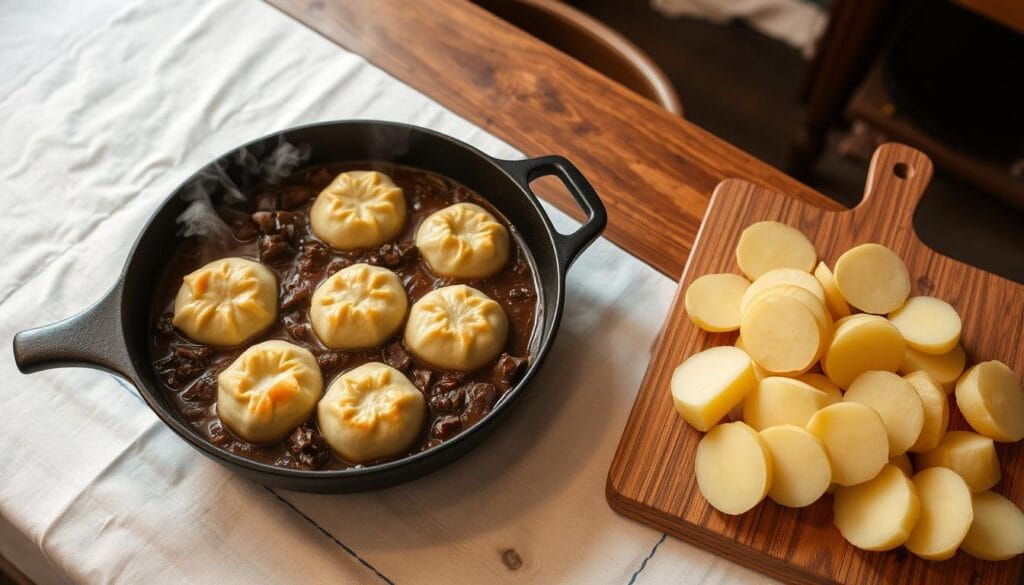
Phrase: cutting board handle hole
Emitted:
{"points": [[903, 170]]}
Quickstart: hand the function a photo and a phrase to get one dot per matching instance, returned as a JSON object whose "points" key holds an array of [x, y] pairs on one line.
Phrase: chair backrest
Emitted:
{"points": [[591, 42]]}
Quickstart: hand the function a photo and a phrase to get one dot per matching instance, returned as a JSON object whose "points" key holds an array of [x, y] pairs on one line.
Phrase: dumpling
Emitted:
{"points": [[359, 209], [370, 413], [226, 302], [456, 328], [463, 240], [357, 307], [268, 391]]}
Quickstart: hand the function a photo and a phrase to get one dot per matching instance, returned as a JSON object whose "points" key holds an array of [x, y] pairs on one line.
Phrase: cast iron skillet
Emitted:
{"points": [[114, 333]]}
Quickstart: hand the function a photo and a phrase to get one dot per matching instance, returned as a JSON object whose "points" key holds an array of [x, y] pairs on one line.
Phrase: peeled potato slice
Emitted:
{"points": [[708, 384], [801, 471], [780, 276], [872, 278], [767, 245], [928, 324], [822, 383], [946, 514], [713, 301], [945, 369], [758, 370], [903, 462], [780, 401], [896, 401], [855, 438], [992, 400], [781, 334], [815, 305], [733, 468], [936, 411], [997, 532], [861, 343], [878, 514], [970, 455], [833, 298]]}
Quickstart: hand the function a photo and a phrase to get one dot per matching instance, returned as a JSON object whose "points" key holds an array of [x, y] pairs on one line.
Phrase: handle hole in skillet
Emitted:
{"points": [[549, 188], [903, 170]]}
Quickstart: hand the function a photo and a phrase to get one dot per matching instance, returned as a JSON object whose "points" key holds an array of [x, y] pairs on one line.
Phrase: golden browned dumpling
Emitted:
{"points": [[456, 328], [226, 302], [357, 307], [268, 391], [371, 412], [463, 240], [359, 209]]}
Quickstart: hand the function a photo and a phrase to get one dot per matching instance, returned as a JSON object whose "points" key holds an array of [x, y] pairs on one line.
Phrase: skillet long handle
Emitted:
{"points": [[93, 338]]}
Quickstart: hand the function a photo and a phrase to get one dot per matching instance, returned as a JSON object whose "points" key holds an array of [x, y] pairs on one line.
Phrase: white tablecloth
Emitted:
{"points": [[105, 106]]}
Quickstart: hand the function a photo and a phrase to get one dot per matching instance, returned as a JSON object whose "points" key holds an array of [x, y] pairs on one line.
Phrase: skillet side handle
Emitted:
{"points": [[93, 338], [568, 246]]}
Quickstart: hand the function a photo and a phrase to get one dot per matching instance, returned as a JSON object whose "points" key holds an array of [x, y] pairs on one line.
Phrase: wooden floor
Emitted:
{"points": [[743, 87]]}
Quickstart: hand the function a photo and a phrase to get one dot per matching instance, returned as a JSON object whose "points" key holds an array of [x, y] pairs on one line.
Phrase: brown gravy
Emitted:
{"points": [[272, 225]]}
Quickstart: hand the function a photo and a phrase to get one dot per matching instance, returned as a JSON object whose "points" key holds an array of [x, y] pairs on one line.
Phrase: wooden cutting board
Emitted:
{"points": [[652, 478]]}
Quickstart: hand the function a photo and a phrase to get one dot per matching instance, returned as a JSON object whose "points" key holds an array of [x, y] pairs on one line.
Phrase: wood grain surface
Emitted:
{"points": [[652, 478], [653, 170]]}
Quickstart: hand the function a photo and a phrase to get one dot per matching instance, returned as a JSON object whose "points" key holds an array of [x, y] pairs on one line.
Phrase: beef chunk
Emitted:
{"points": [[480, 399], [394, 254], [308, 446], [297, 292], [273, 249], [509, 368], [202, 390], [395, 356], [448, 401], [330, 360], [312, 258], [165, 324], [449, 381], [422, 378], [445, 427]]}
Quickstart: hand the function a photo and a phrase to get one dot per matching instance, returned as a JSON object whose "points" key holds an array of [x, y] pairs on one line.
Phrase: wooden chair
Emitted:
{"points": [[591, 42]]}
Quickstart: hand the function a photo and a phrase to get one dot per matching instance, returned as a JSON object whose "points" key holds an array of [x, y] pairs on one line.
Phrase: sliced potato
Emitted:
{"points": [[997, 532], [758, 370], [992, 400], [878, 514], [712, 301], [781, 334], [833, 298], [946, 514], [872, 278], [936, 411], [928, 324], [780, 401], [896, 401], [780, 276], [945, 369], [861, 343], [972, 456], [733, 467], [710, 383], [767, 245], [801, 471], [821, 382], [855, 438]]}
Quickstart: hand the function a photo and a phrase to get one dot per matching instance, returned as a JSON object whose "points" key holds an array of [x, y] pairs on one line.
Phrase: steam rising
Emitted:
{"points": [[202, 220]]}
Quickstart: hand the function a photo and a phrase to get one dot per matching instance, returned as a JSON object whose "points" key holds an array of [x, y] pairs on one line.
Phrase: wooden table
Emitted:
{"points": [[654, 171]]}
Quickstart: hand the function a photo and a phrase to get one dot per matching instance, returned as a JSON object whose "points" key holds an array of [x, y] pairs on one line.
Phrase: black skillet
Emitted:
{"points": [[113, 334]]}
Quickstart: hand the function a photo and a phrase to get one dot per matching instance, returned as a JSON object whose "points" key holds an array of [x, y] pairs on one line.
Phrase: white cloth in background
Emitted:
{"points": [[798, 23], [104, 108]]}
